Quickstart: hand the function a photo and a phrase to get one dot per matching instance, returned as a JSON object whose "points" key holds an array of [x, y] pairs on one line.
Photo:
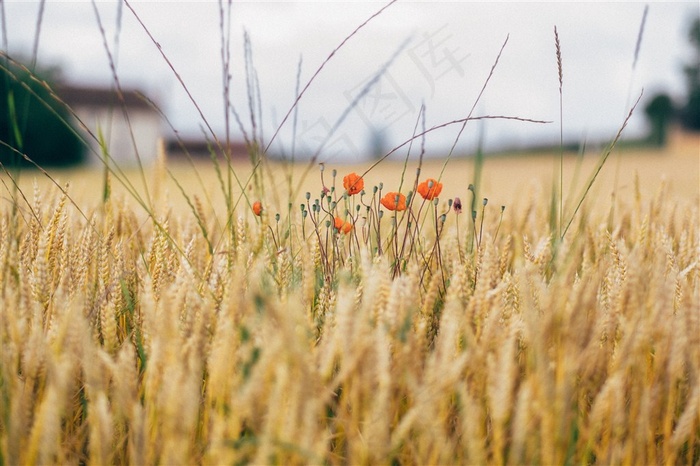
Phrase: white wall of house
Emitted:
{"points": [[145, 126], [101, 110]]}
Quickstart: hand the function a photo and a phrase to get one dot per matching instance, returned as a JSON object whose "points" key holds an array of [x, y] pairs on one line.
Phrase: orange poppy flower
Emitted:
{"points": [[394, 201], [429, 189], [257, 208], [353, 183], [342, 225]]}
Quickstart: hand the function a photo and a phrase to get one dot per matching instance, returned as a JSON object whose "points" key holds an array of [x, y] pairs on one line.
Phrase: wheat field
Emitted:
{"points": [[163, 334]]}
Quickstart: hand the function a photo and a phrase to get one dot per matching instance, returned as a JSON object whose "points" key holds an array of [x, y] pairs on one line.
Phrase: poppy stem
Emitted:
{"points": [[481, 226], [274, 240]]}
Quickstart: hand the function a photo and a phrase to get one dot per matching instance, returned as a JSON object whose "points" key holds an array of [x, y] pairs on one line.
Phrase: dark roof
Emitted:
{"points": [[101, 97], [201, 148]]}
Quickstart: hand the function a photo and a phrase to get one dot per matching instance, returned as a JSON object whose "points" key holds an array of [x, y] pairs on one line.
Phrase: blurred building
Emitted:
{"points": [[130, 125], [203, 149]]}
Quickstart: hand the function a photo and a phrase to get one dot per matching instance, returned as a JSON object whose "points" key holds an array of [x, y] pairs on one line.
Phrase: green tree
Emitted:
{"points": [[659, 111], [690, 113], [32, 122]]}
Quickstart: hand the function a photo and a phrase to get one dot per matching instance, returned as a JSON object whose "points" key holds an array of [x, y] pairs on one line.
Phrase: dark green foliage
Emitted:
{"points": [[660, 112], [34, 123], [690, 114]]}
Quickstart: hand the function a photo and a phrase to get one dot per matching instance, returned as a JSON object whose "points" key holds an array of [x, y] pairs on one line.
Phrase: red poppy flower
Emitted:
{"points": [[341, 225], [429, 189], [353, 183], [394, 201], [257, 208]]}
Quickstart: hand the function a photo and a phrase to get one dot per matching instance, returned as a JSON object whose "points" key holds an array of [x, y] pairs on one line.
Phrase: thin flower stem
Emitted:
{"points": [[459, 247], [503, 208], [481, 226]]}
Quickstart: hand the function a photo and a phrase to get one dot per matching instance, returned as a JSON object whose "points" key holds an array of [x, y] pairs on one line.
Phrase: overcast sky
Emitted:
{"points": [[441, 54]]}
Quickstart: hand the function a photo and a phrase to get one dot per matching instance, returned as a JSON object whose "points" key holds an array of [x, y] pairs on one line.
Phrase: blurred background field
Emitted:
{"points": [[504, 180], [370, 106]]}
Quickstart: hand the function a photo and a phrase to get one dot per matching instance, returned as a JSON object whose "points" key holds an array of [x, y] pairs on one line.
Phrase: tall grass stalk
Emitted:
{"points": [[599, 166], [633, 69], [118, 88], [560, 73], [320, 68], [475, 104]]}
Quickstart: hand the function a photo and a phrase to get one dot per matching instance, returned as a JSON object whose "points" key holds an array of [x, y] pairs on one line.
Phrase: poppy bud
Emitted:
{"points": [[457, 205]]}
